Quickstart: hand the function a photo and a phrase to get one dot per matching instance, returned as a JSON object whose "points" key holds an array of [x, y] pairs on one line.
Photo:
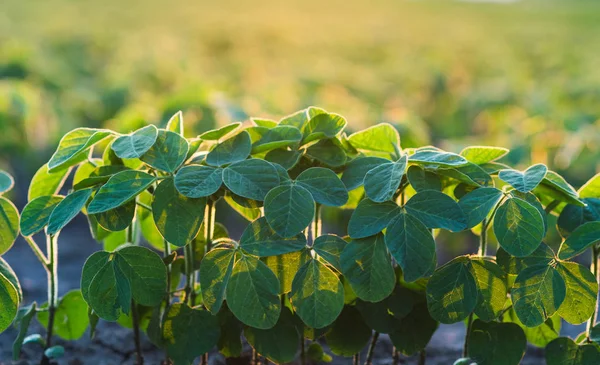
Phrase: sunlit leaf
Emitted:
{"points": [[120, 189], [136, 144], [519, 227], [168, 152], [234, 149], [215, 271], [261, 240], [67, 209], [491, 288], [71, 316], [543, 255], [75, 143], [322, 126], [280, 136], [524, 181], [582, 292], [435, 157], [591, 189], [47, 183], [216, 134], [483, 154], [330, 247], [478, 204], [9, 302], [196, 181], [582, 238], [378, 140]]}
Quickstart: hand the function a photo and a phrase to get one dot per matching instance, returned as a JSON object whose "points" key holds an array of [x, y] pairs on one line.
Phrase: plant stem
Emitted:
{"points": [[468, 335], [209, 232], [136, 333], [594, 267], [356, 359], [255, 360], [395, 356], [483, 238], [38, 253], [302, 351], [52, 269], [317, 226], [550, 207], [189, 273], [371, 350], [422, 357]]}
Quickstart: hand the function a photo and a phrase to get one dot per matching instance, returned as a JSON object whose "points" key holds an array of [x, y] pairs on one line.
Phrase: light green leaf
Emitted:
{"points": [[591, 189], [378, 140], [382, 181], [322, 126], [537, 294], [582, 292], [483, 154], [324, 185], [452, 292], [564, 351], [216, 134], [278, 344], [519, 227], [9, 273], [189, 333], [555, 187], [496, 343], [285, 158], [289, 209], [524, 181], [491, 288], [67, 209], [543, 255], [414, 331], [437, 210], [116, 220], [9, 302], [470, 174], [252, 293], [6, 182], [71, 316], [478, 204], [175, 124], [9, 224], [249, 213], [412, 245], [47, 183], [439, 158], [251, 179], [98, 176], [215, 271], [136, 144], [366, 264], [120, 189], [330, 247], [280, 136], [168, 152], [297, 119], [328, 151], [317, 295], [178, 218], [582, 238], [370, 218], [261, 240], [421, 179], [349, 333], [196, 181], [355, 171], [264, 122], [285, 267], [74, 143], [234, 149]]}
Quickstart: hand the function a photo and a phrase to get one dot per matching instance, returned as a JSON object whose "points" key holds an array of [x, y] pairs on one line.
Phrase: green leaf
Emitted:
{"points": [[412, 245], [261, 240], [230, 342], [215, 271], [414, 331], [582, 292], [9, 273], [27, 314], [136, 144], [196, 181], [533, 200], [71, 316], [573, 216], [538, 336], [285, 158], [116, 220], [370, 218], [54, 352], [279, 343], [110, 281], [519, 227], [483, 154], [349, 333], [47, 183], [439, 158], [97, 176], [252, 293], [491, 288], [452, 292], [322, 126], [378, 140], [470, 174], [368, 267], [330, 247], [175, 124], [9, 224], [324, 185], [67, 209], [382, 181], [189, 333], [178, 218], [496, 343], [355, 171], [168, 152], [264, 122], [543, 255], [591, 189], [234, 149], [216, 134], [524, 181], [328, 151], [478, 204], [285, 267], [437, 210], [564, 351], [556, 188], [296, 119], [280, 136], [289, 209], [120, 189], [537, 294], [9, 302], [6, 182], [249, 213], [582, 238], [74, 143], [317, 294], [252, 178], [421, 179]]}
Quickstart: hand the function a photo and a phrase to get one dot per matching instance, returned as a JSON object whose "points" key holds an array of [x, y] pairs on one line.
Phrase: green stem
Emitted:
{"points": [[371, 350], [550, 207], [135, 317], [422, 357], [395, 356], [468, 335], [594, 268], [317, 227], [209, 224], [38, 253], [356, 359], [302, 351], [145, 206], [189, 273], [52, 250], [483, 238], [167, 253]]}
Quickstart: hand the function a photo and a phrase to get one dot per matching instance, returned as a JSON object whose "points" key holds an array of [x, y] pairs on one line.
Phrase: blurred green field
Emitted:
{"points": [[522, 75]]}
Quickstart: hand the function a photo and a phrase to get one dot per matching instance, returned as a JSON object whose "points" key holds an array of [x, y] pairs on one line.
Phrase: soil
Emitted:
{"points": [[113, 345]]}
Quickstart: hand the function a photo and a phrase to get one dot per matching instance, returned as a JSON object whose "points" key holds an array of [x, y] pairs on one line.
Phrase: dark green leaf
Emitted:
{"points": [[120, 189], [582, 238], [330, 247], [437, 210], [349, 333], [370, 218], [232, 150], [382, 181], [573, 216], [524, 181], [98, 176], [555, 187], [136, 144], [478, 204], [289, 209], [215, 271], [168, 152], [538, 336], [261, 240], [469, 174], [196, 181], [230, 342], [251, 179], [278, 344], [435, 157], [519, 227], [6, 182], [67, 209], [328, 151], [421, 179], [496, 343], [25, 320], [54, 352], [285, 267], [355, 171], [322, 126], [324, 185], [278, 137], [216, 134], [543, 255], [75, 143], [414, 331], [564, 351], [116, 220], [286, 158]]}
